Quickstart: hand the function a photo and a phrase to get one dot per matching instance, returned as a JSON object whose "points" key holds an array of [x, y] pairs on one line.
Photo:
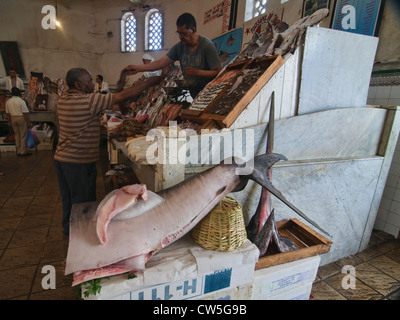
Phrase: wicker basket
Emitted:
{"points": [[223, 229]]}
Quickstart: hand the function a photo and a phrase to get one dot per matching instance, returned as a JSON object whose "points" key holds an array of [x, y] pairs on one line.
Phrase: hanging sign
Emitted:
{"points": [[357, 16], [216, 12]]}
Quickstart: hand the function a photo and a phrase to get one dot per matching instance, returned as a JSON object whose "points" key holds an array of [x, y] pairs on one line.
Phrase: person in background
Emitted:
{"points": [[197, 55], [18, 117], [12, 81], [100, 85], [77, 151], [146, 60]]}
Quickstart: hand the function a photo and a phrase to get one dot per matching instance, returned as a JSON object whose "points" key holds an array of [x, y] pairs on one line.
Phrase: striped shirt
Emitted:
{"points": [[79, 116]]}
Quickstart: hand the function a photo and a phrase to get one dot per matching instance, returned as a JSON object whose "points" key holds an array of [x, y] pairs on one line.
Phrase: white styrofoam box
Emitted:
{"points": [[202, 286], [48, 138], [197, 287], [40, 133], [277, 279], [298, 293], [183, 270]]}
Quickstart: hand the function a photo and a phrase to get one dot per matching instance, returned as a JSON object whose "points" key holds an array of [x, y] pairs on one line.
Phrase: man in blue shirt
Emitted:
{"points": [[197, 55]]}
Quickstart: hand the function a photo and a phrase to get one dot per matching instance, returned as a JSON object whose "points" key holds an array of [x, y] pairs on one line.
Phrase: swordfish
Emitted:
{"points": [[130, 242]]}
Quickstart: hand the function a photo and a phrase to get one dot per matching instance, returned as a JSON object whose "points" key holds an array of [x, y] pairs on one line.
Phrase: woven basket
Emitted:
{"points": [[223, 229]]}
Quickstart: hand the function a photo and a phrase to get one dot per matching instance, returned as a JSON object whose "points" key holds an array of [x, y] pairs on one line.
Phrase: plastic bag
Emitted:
{"points": [[35, 138], [30, 141]]}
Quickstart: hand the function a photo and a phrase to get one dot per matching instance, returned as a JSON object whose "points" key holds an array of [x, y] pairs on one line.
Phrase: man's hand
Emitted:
{"points": [[191, 72], [132, 69]]}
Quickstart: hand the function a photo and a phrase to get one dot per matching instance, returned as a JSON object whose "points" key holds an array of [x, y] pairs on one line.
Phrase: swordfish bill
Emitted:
{"points": [[138, 238]]}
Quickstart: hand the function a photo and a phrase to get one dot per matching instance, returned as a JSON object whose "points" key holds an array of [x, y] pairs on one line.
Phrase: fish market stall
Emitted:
{"points": [[318, 149], [338, 155]]}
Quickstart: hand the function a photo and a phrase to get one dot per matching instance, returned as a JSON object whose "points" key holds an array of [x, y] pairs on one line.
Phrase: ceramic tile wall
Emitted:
{"points": [[388, 217], [384, 95]]}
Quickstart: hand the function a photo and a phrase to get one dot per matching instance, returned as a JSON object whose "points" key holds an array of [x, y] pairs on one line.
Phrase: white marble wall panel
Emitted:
{"points": [[336, 69], [338, 133]]}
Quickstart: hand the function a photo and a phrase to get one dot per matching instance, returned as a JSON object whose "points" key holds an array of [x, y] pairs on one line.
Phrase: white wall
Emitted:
{"points": [[83, 40], [388, 217]]}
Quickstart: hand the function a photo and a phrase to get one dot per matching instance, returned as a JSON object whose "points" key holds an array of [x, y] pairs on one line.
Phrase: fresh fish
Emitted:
{"points": [[268, 234], [117, 203], [132, 241], [122, 80], [238, 81]]}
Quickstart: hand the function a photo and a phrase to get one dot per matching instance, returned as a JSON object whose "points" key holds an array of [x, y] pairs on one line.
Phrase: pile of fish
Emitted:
{"points": [[279, 38], [129, 128], [236, 91], [169, 112]]}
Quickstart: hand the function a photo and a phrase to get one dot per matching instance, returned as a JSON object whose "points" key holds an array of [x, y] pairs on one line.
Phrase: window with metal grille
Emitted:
{"points": [[154, 30], [259, 7], [128, 32]]}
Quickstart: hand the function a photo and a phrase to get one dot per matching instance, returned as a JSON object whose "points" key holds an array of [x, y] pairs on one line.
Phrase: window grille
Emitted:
{"points": [[128, 32], [259, 7], [154, 30]]}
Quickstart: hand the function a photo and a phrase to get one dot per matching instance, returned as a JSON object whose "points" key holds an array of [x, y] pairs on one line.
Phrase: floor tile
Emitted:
{"points": [[11, 213], [387, 265], [328, 270], [369, 253], [35, 221], [376, 279], [394, 255], [351, 260], [20, 257], [18, 202], [9, 224], [360, 292], [29, 237], [55, 251], [322, 291], [395, 295], [5, 238], [16, 282]]}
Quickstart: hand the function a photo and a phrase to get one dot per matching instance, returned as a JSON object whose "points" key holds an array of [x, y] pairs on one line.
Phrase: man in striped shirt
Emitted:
{"points": [[79, 114]]}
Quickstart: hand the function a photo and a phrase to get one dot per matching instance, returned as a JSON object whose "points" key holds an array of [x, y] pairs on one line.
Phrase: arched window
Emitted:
{"points": [[259, 7], [128, 32], [154, 30], [255, 8]]}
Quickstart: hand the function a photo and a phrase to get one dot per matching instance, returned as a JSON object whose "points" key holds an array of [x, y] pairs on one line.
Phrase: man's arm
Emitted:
{"points": [[152, 66], [28, 121], [134, 91], [193, 72]]}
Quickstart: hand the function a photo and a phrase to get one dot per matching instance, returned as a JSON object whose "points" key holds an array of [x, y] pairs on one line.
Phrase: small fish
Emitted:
{"points": [[238, 81]]}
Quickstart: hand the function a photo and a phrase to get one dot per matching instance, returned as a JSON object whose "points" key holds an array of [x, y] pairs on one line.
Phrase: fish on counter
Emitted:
{"points": [[128, 128], [279, 38], [127, 244]]}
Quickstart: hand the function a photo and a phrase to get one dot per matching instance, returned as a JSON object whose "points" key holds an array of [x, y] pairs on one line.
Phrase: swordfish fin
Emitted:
{"points": [[262, 164]]}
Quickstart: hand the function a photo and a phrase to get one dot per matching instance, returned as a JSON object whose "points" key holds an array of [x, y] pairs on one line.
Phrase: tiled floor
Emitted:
{"points": [[376, 271], [31, 238]]}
